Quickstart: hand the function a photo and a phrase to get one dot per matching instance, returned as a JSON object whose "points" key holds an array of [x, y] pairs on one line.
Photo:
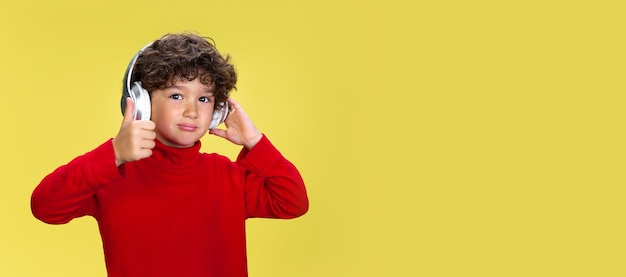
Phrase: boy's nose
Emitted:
{"points": [[191, 110]]}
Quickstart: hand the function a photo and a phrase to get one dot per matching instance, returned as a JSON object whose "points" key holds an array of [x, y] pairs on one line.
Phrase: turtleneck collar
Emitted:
{"points": [[172, 156]]}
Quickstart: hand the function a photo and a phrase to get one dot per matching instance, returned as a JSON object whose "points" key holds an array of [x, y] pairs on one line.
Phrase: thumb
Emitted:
{"points": [[128, 113]]}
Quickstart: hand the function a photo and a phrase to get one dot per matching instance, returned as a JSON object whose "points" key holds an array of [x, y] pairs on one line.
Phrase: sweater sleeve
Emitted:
{"points": [[274, 187], [69, 191]]}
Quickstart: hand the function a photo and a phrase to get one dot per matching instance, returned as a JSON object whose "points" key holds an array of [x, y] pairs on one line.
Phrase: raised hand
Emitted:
{"points": [[135, 140], [239, 128]]}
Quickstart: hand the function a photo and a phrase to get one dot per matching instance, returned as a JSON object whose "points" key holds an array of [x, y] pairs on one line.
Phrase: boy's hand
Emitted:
{"points": [[135, 139], [239, 128]]}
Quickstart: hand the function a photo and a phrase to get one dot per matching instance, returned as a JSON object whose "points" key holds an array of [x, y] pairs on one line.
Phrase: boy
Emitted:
{"points": [[162, 207]]}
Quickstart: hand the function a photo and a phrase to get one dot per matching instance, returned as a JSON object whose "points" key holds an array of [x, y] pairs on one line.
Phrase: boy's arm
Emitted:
{"points": [[273, 185], [69, 191]]}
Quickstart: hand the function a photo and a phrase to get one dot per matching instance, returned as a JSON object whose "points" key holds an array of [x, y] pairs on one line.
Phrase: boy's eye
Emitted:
{"points": [[205, 99], [176, 96]]}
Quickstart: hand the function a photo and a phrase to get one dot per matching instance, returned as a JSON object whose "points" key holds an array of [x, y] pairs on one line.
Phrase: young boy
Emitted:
{"points": [[164, 208]]}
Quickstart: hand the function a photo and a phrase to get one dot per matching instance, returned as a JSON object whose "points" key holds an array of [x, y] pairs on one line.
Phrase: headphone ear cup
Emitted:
{"points": [[141, 98], [219, 116], [139, 95]]}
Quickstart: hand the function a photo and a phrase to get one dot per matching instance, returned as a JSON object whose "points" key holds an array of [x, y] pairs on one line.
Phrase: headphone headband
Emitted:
{"points": [[127, 86]]}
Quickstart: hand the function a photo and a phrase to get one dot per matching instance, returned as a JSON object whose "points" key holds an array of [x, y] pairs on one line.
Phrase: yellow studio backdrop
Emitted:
{"points": [[437, 138]]}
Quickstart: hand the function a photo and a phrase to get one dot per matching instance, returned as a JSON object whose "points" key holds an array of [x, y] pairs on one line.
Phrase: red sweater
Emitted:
{"points": [[177, 213]]}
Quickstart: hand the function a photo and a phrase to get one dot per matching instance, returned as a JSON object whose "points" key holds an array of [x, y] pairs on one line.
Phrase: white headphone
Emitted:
{"points": [[141, 97]]}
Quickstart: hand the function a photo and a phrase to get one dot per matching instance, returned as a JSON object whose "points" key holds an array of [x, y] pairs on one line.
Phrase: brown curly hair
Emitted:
{"points": [[185, 56]]}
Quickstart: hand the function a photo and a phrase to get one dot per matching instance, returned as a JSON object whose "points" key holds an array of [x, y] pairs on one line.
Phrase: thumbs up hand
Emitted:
{"points": [[135, 139]]}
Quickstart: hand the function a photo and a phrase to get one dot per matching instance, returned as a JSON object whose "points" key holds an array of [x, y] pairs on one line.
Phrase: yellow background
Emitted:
{"points": [[437, 138]]}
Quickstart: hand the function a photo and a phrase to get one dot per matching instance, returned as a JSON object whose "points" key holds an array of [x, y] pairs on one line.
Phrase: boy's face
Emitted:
{"points": [[182, 113]]}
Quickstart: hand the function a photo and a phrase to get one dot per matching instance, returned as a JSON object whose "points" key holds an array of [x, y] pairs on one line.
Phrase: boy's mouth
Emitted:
{"points": [[187, 127]]}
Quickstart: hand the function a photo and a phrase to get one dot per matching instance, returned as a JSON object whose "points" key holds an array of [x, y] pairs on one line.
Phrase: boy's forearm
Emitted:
{"points": [[68, 192], [274, 185], [284, 193]]}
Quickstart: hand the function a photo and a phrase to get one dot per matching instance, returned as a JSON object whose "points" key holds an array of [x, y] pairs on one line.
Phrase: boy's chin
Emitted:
{"points": [[180, 143]]}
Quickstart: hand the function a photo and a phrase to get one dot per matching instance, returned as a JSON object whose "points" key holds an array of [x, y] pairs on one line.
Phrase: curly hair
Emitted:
{"points": [[185, 56]]}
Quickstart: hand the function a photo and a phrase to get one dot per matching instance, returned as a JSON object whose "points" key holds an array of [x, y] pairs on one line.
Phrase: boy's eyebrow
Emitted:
{"points": [[208, 90]]}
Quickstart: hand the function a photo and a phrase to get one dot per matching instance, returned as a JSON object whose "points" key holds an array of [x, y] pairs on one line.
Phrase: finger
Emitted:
{"points": [[147, 135], [128, 114], [147, 125], [233, 103], [151, 135], [144, 153], [147, 144], [218, 132], [142, 133]]}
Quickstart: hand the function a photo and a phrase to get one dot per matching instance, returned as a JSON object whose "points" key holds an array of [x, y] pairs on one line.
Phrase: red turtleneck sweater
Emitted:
{"points": [[177, 213]]}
